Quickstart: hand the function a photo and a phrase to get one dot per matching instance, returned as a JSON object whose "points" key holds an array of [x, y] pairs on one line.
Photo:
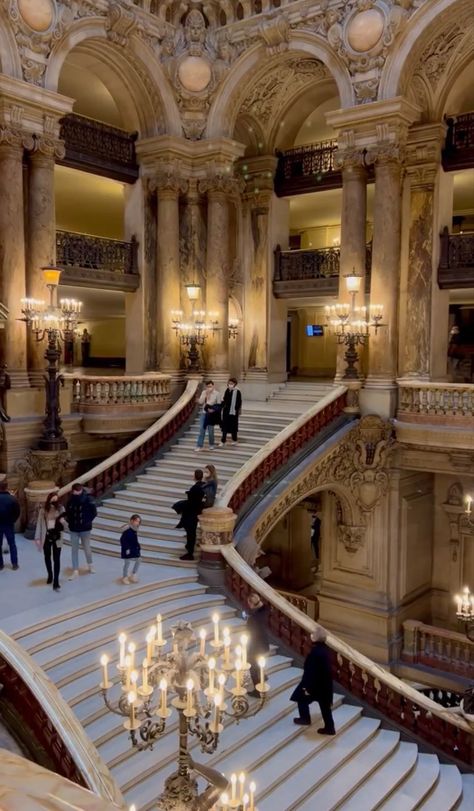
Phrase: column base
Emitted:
{"points": [[379, 397], [255, 384]]}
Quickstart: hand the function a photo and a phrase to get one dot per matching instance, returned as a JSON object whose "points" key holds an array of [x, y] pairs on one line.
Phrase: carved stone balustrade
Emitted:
{"points": [[436, 402], [439, 648], [311, 272], [458, 152], [456, 261], [99, 148], [111, 405], [307, 604], [92, 261]]}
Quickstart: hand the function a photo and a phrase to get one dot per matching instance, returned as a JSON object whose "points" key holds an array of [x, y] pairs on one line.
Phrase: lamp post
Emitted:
{"points": [[351, 325], [55, 324], [205, 688]]}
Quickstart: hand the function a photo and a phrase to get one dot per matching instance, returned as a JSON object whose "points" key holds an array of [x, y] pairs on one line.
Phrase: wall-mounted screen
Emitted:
{"points": [[314, 330]]}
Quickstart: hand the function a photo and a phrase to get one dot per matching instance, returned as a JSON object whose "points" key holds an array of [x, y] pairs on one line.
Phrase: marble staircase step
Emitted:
{"points": [[467, 801], [384, 781], [416, 787], [447, 791]]}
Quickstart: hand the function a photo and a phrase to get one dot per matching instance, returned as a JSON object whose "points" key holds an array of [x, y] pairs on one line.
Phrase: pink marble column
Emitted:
{"points": [[12, 251]]}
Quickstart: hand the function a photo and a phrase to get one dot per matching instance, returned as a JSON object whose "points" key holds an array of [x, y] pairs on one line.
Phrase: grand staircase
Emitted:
{"points": [[365, 766]]}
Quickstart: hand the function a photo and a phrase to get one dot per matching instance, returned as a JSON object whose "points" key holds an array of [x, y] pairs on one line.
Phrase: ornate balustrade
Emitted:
{"points": [[458, 152], [28, 694], [307, 604], [89, 391], [99, 148], [439, 648], [446, 403], [402, 704], [310, 272], [140, 450], [456, 262], [97, 261], [279, 450], [307, 168]]}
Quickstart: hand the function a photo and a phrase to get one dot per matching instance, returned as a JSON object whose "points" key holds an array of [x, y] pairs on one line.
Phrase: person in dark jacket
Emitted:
{"points": [[316, 684], [209, 485], [130, 549], [258, 644], [48, 536], [231, 407], [80, 513], [9, 512], [192, 509]]}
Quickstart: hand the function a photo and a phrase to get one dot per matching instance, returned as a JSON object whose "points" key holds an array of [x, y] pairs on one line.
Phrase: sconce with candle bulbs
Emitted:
{"points": [[465, 611], [205, 682], [468, 510]]}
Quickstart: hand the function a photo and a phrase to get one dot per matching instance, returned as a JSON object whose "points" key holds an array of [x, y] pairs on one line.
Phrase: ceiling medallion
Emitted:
{"points": [[37, 14]]}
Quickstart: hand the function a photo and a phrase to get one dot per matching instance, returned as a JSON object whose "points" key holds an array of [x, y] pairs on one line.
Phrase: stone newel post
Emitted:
{"points": [[217, 527]]}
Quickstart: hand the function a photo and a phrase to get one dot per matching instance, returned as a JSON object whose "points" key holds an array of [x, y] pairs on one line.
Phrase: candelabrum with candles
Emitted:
{"points": [[193, 334], [468, 511], [55, 323], [465, 611], [206, 684], [352, 325]]}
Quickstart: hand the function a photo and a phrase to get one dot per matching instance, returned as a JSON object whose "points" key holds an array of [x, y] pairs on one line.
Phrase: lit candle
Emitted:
{"points": [[145, 673], [215, 619], [122, 641], [238, 666], [149, 643], [133, 678], [131, 653], [468, 504], [189, 695], [245, 802], [217, 705], [133, 807], [224, 798], [212, 672], [226, 650], [132, 697], [261, 664], [252, 788], [243, 641], [233, 782], [221, 681], [127, 672], [159, 630], [459, 603], [202, 644], [104, 660], [241, 785], [163, 686]]}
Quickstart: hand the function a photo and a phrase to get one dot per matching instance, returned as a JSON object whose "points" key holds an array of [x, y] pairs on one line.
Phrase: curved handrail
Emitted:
{"points": [[141, 448], [370, 674], [278, 450], [72, 738]]}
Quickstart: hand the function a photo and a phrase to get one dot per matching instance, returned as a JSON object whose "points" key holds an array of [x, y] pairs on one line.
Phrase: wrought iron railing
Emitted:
{"points": [[306, 168], [96, 253], [458, 152], [456, 261], [318, 265], [99, 148]]}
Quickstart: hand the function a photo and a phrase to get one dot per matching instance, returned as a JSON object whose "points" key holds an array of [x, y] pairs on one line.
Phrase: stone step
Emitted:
{"points": [[416, 787], [467, 801], [121, 515], [447, 791], [384, 781]]}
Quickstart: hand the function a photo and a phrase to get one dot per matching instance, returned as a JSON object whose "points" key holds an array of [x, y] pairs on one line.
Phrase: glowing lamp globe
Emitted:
{"points": [[51, 275]]}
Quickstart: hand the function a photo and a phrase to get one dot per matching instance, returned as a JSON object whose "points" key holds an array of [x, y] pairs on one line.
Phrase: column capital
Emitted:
{"points": [[423, 154], [15, 139], [167, 180], [351, 160], [221, 184], [47, 149], [386, 153]]}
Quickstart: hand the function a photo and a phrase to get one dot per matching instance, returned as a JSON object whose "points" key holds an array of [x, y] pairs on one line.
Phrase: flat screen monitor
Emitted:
{"points": [[314, 330]]}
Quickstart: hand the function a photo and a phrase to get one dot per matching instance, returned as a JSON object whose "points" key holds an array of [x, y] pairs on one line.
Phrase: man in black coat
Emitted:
{"points": [[316, 684], [9, 512], [258, 644], [192, 508]]}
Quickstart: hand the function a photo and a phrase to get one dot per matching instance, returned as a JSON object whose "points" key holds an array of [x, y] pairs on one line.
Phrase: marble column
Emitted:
{"points": [[12, 251], [41, 234], [353, 232], [256, 283], [168, 186], [217, 270], [384, 281]]}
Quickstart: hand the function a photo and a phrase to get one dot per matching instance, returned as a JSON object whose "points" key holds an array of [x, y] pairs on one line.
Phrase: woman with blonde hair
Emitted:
{"points": [[48, 536]]}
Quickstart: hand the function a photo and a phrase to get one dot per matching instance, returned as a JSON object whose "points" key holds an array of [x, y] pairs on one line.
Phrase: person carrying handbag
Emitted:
{"points": [[48, 537], [210, 400]]}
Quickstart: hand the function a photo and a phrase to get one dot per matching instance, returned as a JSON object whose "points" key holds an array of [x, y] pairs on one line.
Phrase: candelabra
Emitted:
{"points": [[351, 325], [193, 334], [208, 688], [233, 327], [465, 611], [55, 324], [468, 510]]}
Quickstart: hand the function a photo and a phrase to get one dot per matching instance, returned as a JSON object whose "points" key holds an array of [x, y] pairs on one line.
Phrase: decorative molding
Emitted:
{"points": [[275, 34], [120, 24], [168, 179]]}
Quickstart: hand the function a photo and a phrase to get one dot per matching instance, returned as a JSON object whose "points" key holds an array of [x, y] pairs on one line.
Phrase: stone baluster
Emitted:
{"points": [[169, 185], [12, 250], [41, 233]]}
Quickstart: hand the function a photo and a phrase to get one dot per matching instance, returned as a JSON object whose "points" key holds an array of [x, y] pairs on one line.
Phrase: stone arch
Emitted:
{"points": [[10, 63], [457, 79], [431, 19], [135, 68], [225, 108]]}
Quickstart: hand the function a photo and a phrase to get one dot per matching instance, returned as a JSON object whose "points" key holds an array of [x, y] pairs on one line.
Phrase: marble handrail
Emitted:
{"points": [[125, 460], [103, 391], [70, 734], [271, 596], [435, 399], [274, 443]]}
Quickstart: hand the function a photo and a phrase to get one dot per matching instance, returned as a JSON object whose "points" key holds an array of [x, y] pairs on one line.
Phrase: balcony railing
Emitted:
{"points": [[310, 272], [307, 168], [91, 392], [458, 152], [99, 148], [456, 262], [114, 263], [438, 648], [436, 402]]}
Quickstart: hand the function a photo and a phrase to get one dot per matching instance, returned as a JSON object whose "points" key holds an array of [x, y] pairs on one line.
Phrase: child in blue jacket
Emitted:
{"points": [[131, 550]]}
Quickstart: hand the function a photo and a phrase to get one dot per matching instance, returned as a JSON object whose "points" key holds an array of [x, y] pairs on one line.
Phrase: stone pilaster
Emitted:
{"points": [[12, 250], [41, 233], [423, 163]]}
